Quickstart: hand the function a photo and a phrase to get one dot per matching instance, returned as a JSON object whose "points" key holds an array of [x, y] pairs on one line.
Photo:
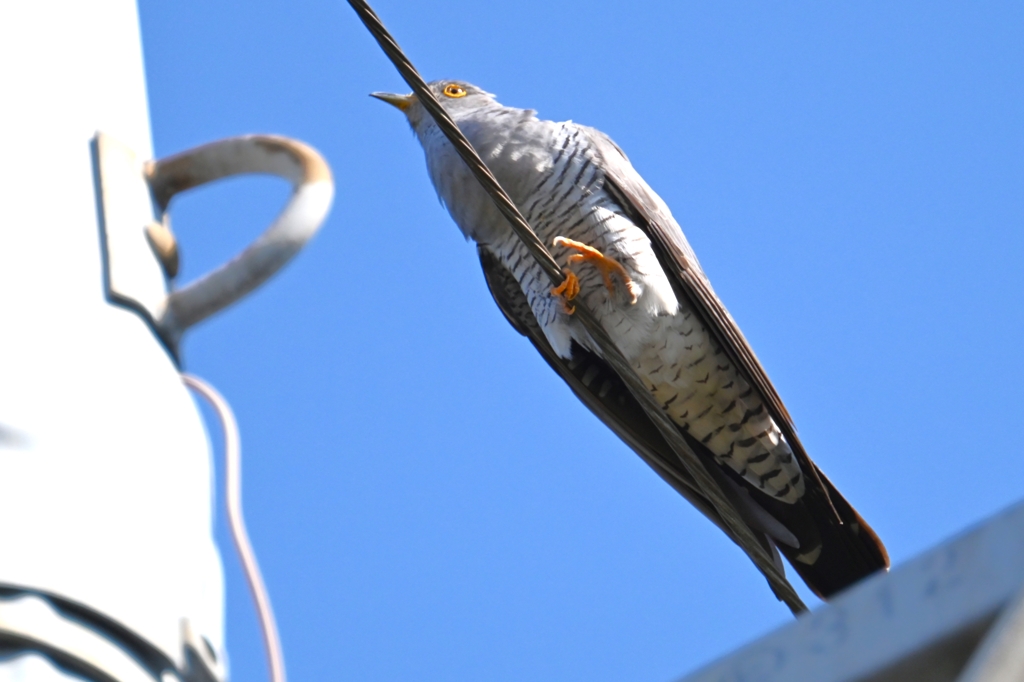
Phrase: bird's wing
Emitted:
{"points": [[598, 387], [646, 209], [649, 212]]}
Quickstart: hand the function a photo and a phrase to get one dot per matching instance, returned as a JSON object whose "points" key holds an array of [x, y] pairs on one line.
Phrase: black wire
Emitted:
{"points": [[740, 533]]}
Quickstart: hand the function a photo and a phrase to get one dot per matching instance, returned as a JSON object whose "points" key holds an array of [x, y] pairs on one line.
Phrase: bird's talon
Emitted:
{"points": [[568, 290], [605, 265]]}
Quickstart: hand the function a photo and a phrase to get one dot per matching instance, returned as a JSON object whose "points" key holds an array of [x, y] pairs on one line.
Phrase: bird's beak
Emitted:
{"points": [[403, 102]]}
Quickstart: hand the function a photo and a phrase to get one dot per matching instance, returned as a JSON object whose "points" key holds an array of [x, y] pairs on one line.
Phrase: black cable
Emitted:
{"points": [[740, 533]]}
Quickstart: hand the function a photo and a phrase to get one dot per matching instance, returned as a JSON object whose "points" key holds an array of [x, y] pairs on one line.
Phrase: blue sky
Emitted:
{"points": [[427, 499]]}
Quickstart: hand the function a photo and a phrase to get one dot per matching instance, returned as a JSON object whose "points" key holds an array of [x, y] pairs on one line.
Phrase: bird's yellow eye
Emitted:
{"points": [[453, 90]]}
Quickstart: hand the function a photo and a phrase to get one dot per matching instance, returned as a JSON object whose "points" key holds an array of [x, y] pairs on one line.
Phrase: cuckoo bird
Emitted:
{"points": [[626, 257]]}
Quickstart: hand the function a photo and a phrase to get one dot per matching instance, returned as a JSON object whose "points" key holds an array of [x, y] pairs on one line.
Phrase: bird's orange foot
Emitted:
{"points": [[605, 265], [568, 290]]}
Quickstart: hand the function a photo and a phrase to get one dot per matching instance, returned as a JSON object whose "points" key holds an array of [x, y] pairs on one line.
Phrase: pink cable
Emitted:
{"points": [[236, 522]]}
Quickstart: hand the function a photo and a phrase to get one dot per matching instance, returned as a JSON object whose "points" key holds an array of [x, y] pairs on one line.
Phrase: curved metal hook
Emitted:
{"points": [[313, 191]]}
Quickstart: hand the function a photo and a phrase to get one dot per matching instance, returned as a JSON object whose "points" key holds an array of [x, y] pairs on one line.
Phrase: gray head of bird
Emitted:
{"points": [[458, 98], [487, 125]]}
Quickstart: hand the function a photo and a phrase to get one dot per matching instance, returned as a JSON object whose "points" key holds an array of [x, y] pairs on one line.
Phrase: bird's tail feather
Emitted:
{"points": [[834, 553], [828, 543]]}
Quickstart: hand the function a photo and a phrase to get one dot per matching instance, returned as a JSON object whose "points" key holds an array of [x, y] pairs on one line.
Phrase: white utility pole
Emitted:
{"points": [[108, 568]]}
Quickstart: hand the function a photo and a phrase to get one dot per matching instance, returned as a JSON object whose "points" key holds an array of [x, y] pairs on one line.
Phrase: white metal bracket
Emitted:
{"points": [[133, 272]]}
